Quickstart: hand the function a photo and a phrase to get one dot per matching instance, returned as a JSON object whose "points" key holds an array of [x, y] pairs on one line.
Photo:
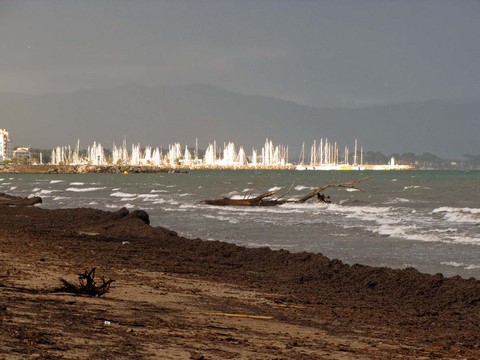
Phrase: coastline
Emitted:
{"points": [[172, 297]]}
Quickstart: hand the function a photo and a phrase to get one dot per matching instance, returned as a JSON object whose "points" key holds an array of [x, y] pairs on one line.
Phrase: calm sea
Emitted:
{"points": [[429, 220]]}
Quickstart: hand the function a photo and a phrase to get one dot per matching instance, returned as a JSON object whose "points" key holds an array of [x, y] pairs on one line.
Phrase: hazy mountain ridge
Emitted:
{"points": [[162, 115]]}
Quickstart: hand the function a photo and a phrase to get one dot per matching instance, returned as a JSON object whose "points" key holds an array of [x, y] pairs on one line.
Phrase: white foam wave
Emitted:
{"points": [[301, 187], [416, 187], [89, 189], [123, 195], [157, 191], [58, 198], [361, 211], [461, 265], [45, 192], [351, 189], [465, 215], [56, 181], [77, 183], [398, 200], [148, 196], [275, 188], [472, 267], [12, 188], [222, 218], [452, 263]]}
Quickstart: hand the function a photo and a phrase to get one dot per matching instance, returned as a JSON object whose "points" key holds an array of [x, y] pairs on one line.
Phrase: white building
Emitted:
{"points": [[5, 145]]}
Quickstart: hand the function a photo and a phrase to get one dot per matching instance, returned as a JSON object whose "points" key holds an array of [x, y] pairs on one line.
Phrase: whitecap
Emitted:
{"points": [[301, 187], [147, 196], [84, 189], [122, 194], [462, 215], [45, 192], [13, 188], [416, 187], [57, 198], [55, 181], [452, 263], [275, 188], [77, 183], [222, 218], [472, 267]]}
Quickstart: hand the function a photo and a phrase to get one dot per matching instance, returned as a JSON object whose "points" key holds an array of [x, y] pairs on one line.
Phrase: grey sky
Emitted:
{"points": [[322, 53]]}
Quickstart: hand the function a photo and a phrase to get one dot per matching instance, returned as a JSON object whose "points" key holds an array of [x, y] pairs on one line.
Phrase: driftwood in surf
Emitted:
{"points": [[349, 185], [266, 199], [260, 200]]}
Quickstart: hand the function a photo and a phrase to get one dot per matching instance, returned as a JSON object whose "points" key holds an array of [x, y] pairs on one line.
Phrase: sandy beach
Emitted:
{"points": [[178, 298]]}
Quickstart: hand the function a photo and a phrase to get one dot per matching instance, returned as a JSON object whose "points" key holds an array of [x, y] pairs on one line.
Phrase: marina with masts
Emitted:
{"points": [[324, 155]]}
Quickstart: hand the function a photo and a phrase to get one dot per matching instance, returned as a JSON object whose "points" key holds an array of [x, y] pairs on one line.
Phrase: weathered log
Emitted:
{"points": [[10, 200], [243, 202], [261, 200]]}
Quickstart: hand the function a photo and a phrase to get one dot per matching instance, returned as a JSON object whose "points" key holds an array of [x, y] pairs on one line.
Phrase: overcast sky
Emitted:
{"points": [[321, 53]]}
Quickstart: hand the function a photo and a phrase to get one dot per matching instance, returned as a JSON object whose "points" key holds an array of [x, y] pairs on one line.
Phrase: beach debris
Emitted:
{"points": [[266, 199], [87, 285]]}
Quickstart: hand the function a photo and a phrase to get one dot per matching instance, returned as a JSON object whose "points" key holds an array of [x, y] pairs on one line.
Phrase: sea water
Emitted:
{"points": [[429, 220]]}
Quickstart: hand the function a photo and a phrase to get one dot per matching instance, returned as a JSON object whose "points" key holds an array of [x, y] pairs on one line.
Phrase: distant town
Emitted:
{"points": [[321, 155]]}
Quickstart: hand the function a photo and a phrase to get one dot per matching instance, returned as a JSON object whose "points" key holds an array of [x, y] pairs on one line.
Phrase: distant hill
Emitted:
{"points": [[162, 115]]}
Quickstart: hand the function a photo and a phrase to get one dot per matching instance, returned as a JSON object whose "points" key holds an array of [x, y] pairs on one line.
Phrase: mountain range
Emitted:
{"points": [[158, 116]]}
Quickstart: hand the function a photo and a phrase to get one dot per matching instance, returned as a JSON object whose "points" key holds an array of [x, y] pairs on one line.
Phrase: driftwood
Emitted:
{"points": [[87, 285], [263, 199], [259, 200], [350, 185], [10, 200]]}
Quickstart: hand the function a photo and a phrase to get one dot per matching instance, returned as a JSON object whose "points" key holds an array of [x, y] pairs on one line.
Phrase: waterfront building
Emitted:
{"points": [[22, 153], [5, 145]]}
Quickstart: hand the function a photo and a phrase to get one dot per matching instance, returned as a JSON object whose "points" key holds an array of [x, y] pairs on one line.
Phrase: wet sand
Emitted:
{"points": [[177, 298]]}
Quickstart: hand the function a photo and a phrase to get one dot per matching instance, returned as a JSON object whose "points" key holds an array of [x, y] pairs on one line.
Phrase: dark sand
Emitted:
{"points": [[172, 297]]}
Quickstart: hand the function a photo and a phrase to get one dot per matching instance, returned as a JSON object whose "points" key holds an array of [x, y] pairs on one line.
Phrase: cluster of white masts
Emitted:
{"points": [[176, 155], [328, 153]]}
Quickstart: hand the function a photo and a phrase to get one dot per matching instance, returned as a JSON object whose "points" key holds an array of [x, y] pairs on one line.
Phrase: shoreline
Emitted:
{"points": [[175, 288]]}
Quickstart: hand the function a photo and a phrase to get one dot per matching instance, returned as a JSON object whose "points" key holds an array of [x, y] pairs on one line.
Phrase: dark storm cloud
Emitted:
{"points": [[317, 52]]}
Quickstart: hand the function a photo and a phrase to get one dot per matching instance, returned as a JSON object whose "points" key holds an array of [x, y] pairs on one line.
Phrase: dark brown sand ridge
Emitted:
{"points": [[317, 307]]}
